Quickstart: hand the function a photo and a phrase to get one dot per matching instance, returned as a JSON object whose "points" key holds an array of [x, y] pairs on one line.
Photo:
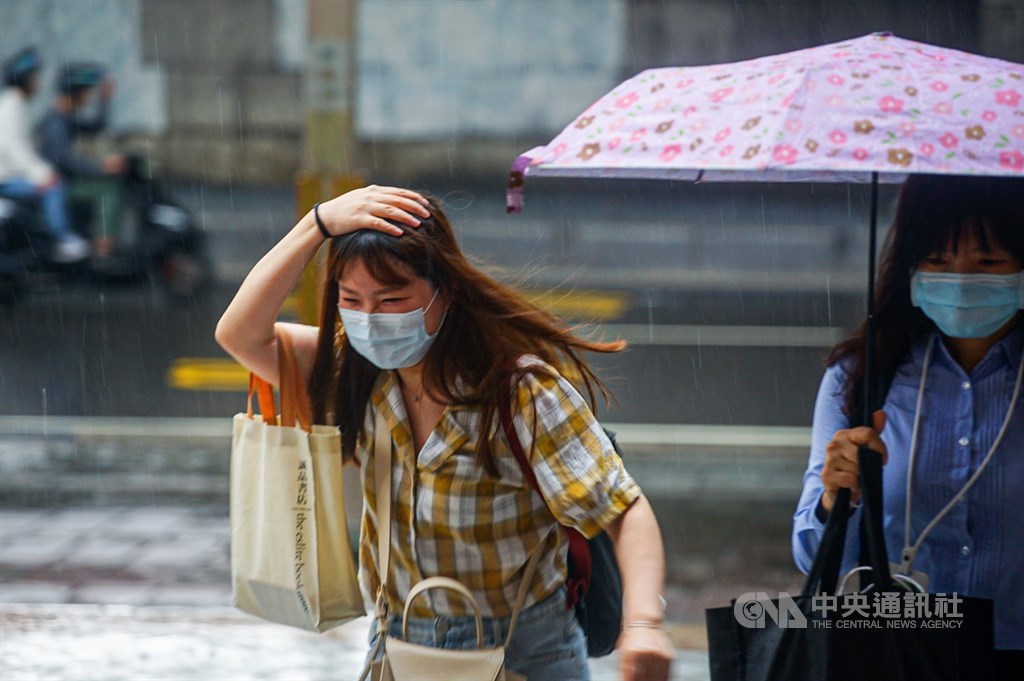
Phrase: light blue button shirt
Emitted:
{"points": [[978, 548]]}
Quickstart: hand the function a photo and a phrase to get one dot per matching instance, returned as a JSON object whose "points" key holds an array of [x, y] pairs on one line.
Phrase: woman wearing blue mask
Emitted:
{"points": [[950, 348], [411, 335]]}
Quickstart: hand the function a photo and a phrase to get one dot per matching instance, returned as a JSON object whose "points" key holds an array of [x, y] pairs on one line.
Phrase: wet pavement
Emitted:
{"points": [[144, 593], [123, 643]]}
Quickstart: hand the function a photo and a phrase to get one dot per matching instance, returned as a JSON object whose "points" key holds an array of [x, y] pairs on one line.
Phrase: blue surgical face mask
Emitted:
{"points": [[968, 305], [390, 340]]}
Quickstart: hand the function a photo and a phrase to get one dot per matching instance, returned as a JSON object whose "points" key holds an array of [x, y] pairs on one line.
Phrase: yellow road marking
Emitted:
{"points": [[202, 373], [579, 304]]}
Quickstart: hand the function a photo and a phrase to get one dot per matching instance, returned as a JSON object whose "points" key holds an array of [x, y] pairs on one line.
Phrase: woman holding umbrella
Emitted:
{"points": [[950, 346]]}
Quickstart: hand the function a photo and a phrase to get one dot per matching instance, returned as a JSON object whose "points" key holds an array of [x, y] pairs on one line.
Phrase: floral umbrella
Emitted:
{"points": [[870, 109], [835, 113]]}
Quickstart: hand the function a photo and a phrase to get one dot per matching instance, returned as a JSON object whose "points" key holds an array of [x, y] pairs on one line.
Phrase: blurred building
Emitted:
{"points": [[249, 91]]}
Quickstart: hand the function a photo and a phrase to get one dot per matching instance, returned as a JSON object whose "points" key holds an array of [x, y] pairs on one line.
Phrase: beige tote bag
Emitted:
{"points": [[291, 559]]}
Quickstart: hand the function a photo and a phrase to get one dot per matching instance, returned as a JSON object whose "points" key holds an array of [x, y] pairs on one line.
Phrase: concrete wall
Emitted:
{"points": [[234, 104], [438, 69], [452, 88], [694, 32]]}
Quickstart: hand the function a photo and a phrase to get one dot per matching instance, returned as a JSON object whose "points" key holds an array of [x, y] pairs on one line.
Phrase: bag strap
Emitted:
{"points": [[524, 588], [265, 397], [295, 406], [294, 398], [443, 583], [824, 572], [870, 465], [382, 481], [382, 485], [578, 583]]}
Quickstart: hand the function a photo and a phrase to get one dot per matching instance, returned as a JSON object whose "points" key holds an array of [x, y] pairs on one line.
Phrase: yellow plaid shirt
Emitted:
{"points": [[450, 518]]}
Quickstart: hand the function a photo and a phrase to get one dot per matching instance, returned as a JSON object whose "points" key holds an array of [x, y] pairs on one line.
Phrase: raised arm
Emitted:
{"points": [[246, 329]]}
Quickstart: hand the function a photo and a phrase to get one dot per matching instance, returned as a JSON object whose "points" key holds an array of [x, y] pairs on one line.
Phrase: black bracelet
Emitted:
{"points": [[319, 222]]}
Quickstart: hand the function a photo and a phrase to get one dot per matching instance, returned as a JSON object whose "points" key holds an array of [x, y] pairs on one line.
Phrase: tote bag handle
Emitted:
{"points": [[294, 398], [824, 573], [265, 398]]}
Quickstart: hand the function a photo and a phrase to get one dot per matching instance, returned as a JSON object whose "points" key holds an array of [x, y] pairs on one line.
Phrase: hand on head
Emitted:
{"points": [[370, 208]]}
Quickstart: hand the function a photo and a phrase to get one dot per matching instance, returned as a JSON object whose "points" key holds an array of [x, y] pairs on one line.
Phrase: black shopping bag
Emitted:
{"points": [[885, 632]]}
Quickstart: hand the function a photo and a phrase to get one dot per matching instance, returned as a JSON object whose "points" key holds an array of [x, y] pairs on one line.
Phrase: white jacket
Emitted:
{"points": [[18, 159]]}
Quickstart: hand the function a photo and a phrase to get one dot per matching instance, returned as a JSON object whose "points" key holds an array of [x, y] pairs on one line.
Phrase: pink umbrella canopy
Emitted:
{"points": [[872, 106]]}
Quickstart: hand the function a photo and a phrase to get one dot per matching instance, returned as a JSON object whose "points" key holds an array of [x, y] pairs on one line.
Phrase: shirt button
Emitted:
{"points": [[964, 441], [966, 550], [966, 385]]}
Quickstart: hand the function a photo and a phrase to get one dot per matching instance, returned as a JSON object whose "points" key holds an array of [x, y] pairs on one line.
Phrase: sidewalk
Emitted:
{"points": [[144, 593], [119, 643]]}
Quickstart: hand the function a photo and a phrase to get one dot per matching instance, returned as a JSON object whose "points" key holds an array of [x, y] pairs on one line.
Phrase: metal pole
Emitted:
{"points": [[869, 341], [831, 566]]}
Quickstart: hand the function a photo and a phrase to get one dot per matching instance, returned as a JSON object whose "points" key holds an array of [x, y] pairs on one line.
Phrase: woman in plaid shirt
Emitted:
{"points": [[438, 350]]}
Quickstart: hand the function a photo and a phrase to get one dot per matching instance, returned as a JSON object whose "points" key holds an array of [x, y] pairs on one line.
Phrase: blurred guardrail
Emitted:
{"points": [[54, 460]]}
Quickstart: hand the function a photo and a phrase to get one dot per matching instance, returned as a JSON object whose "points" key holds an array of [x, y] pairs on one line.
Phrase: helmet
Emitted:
{"points": [[21, 66], [76, 77]]}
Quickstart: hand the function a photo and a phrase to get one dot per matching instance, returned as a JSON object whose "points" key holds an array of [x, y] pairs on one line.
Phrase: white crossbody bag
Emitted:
{"points": [[404, 661]]}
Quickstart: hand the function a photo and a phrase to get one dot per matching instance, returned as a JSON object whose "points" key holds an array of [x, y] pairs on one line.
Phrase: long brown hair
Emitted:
{"points": [[487, 328], [934, 212]]}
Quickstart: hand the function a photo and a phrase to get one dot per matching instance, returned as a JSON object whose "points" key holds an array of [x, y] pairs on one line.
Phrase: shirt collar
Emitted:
{"points": [[1013, 345], [387, 398], [1008, 351], [447, 437]]}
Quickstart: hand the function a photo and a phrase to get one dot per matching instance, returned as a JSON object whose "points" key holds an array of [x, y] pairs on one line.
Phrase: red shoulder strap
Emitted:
{"points": [[578, 581]]}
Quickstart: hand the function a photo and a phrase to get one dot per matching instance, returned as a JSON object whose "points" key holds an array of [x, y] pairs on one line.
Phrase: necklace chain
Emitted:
{"points": [[416, 396]]}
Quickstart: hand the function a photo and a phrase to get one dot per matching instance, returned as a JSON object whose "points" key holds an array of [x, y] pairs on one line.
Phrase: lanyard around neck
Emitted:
{"points": [[910, 551]]}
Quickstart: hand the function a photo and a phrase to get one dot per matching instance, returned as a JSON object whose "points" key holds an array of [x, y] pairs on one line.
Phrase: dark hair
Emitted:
{"points": [[487, 328], [20, 67], [933, 213], [76, 78]]}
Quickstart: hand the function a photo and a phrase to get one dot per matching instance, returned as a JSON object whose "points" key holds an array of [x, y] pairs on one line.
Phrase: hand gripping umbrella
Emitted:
{"points": [[871, 109]]}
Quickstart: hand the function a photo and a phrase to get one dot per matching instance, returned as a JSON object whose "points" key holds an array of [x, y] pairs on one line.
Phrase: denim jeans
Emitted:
{"points": [[548, 643], [54, 201]]}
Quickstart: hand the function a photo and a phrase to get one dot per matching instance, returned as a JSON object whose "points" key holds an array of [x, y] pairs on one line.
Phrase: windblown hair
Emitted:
{"points": [[933, 213], [487, 328]]}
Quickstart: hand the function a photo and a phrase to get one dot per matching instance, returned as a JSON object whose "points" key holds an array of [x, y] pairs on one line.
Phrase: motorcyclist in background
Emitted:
{"points": [[23, 174], [98, 182]]}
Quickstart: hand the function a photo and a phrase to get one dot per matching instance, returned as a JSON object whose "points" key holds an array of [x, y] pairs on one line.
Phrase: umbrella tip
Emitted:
{"points": [[882, 34], [516, 180]]}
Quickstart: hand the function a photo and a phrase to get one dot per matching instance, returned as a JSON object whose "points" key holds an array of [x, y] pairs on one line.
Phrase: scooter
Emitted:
{"points": [[157, 242]]}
